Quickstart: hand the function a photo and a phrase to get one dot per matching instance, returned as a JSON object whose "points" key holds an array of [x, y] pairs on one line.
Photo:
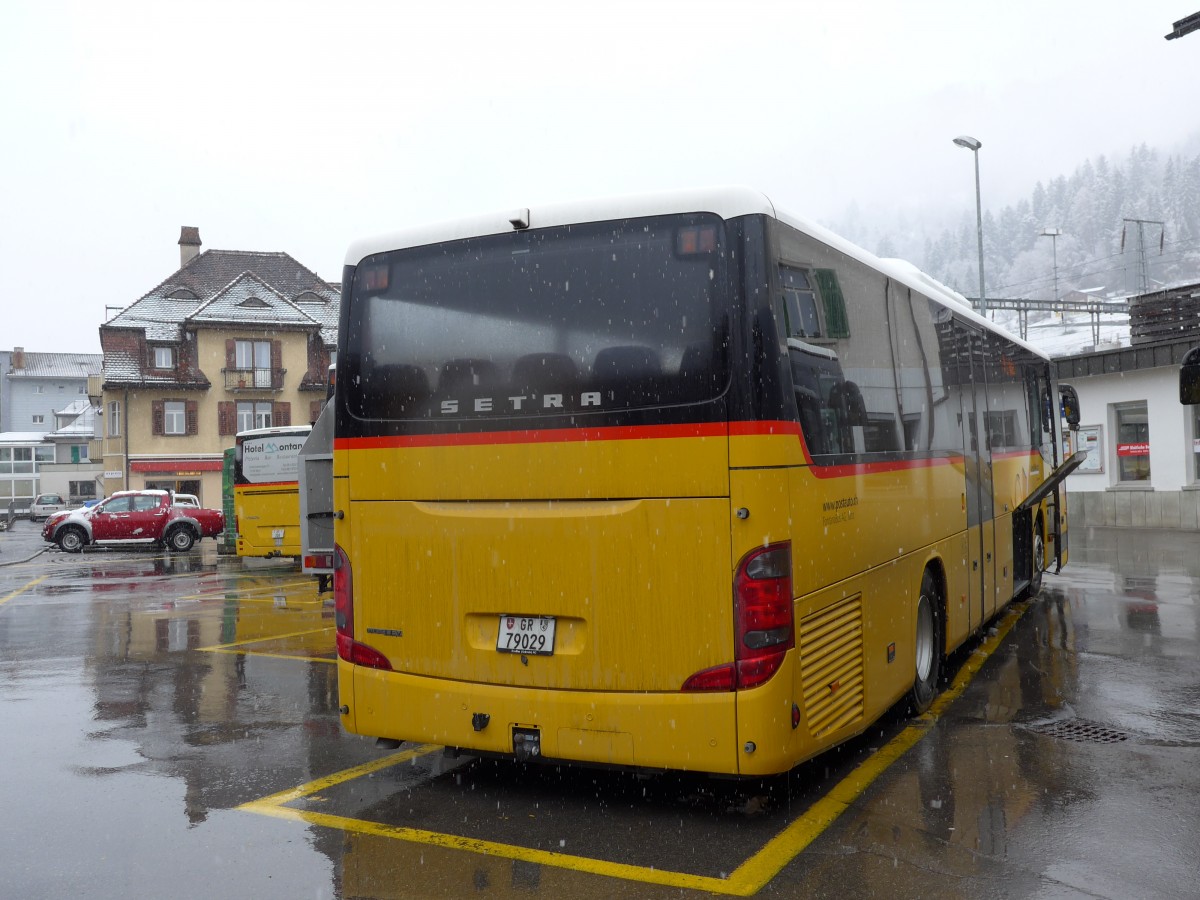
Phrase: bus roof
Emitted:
{"points": [[276, 430], [727, 202]]}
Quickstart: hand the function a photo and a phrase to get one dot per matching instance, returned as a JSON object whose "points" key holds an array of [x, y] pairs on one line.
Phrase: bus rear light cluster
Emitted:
{"points": [[764, 624], [343, 607], [318, 561]]}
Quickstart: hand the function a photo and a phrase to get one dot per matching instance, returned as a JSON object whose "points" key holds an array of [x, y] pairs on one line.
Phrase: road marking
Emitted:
{"points": [[22, 590], [236, 647], [747, 879]]}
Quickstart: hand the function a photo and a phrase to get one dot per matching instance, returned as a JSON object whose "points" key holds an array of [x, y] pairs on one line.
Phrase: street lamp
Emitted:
{"points": [[973, 145], [1053, 234]]}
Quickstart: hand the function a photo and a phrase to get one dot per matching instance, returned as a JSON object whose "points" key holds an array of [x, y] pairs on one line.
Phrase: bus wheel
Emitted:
{"points": [[1039, 559], [928, 646]]}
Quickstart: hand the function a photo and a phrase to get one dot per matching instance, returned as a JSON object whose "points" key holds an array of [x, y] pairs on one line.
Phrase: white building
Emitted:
{"points": [[1143, 465]]}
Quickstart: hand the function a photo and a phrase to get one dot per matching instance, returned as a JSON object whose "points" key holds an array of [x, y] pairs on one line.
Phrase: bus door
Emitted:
{"points": [[978, 464]]}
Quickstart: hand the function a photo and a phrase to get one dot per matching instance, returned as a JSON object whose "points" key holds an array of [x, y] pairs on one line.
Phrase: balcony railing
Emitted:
{"points": [[254, 379]]}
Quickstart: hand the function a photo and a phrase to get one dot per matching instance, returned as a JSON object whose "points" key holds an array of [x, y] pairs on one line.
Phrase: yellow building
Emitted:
{"points": [[232, 340]]}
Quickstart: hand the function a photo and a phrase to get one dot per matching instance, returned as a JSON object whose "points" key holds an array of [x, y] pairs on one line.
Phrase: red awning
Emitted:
{"points": [[175, 466]]}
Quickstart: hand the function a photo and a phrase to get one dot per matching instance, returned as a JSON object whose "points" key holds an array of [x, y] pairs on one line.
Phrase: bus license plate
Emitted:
{"points": [[533, 635]]}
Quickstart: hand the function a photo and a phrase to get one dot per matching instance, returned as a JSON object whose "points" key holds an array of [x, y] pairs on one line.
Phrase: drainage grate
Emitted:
{"points": [[1080, 730]]}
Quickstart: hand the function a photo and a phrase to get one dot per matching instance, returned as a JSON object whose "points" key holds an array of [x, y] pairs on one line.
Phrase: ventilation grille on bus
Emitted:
{"points": [[831, 666]]}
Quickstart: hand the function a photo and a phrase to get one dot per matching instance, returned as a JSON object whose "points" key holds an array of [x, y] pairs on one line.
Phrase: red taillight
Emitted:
{"points": [[343, 606], [763, 622], [763, 613]]}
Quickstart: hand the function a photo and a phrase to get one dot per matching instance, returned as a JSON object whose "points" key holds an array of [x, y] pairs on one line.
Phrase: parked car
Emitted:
{"points": [[45, 505], [134, 518]]}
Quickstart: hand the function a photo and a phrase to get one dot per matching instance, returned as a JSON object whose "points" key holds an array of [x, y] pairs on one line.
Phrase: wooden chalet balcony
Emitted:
{"points": [[253, 379]]}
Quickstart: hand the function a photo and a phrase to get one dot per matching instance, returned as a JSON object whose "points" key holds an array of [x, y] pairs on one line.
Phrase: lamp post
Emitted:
{"points": [[973, 145], [1053, 234]]}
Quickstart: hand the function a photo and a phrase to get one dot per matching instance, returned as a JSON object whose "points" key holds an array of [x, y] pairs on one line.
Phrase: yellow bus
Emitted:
{"points": [[674, 481], [266, 494]]}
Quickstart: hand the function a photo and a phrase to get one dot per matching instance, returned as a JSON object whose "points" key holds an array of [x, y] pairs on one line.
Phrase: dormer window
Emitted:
{"points": [[182, 294], [309, 297], [164, 357], [255, 303]]}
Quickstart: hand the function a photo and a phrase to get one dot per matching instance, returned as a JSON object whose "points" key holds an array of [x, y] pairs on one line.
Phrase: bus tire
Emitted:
{"points": [[181, 539], [72, 539], [1039, 559], [927, 648]]}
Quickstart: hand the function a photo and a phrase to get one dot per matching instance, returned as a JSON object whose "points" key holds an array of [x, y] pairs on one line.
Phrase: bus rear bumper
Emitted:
{"points": [[694, 731]]}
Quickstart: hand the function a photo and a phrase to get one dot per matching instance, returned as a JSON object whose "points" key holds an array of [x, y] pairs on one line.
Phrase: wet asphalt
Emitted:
{"points": [[170, 728]]}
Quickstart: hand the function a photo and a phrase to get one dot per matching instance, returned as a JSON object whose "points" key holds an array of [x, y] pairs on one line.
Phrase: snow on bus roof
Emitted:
{"points": [[726, 202]]}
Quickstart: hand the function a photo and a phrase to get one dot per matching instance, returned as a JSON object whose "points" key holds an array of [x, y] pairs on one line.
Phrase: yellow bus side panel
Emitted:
{"points": [[847, 524]]}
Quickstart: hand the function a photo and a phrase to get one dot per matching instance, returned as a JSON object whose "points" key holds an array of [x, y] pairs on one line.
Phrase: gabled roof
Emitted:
{"points": [[162, 312], [248, 299], [59, 365]]}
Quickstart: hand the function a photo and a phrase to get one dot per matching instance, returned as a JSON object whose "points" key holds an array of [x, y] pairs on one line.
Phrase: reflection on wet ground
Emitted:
{"points": [[172, 694]]}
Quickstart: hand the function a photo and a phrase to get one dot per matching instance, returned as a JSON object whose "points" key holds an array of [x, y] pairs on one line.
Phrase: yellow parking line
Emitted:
{"points": [[747, 879], [217, 648], [259, 653], [757, 871], [22, 590]]}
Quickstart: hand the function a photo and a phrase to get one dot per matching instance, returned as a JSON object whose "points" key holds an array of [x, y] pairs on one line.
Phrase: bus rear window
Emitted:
{"points": [[561, 321]]}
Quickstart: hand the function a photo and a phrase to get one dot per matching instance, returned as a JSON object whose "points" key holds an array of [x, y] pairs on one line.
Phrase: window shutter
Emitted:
{"points": [[230, 353], [277, 364], [157, 408], [191, 416], [281, 413], [314, 410], [227, 417]]}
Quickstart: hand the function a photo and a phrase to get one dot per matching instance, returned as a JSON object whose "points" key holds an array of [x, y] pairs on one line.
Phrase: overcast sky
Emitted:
{"points": [[299, 126]]}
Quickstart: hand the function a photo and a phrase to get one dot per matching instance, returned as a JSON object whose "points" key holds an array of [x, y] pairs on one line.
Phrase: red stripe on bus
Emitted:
{"points": [[641, 432], [537, 436]]}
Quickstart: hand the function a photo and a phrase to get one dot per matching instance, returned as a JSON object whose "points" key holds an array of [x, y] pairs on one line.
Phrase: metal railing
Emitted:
{"points": [[254, 379]]}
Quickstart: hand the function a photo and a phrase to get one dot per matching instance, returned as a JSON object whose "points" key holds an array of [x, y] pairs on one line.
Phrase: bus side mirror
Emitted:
{"points": [[1070, 404], [1189, 378]]}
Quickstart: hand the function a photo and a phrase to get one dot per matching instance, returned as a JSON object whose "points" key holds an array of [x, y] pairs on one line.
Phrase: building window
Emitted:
{"points": [[253, 415], [254, 356], [114, 418], [44, 454], [1133, 443], [39, 389], [81, 490], [164, 357], [174, 417], [39, 420]]}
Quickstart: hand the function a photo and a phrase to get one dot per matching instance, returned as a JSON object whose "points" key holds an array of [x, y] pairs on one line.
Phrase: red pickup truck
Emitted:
{"points": [[134, 518]]}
